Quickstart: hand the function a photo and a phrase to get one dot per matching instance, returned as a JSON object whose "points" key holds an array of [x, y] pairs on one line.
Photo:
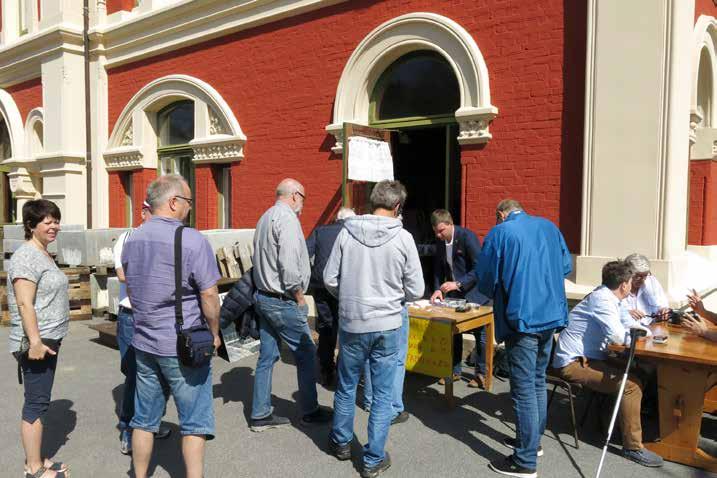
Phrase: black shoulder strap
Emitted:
{"points": [[178, 278]]}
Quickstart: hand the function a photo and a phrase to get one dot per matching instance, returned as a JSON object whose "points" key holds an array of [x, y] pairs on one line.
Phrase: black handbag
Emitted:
{"points": [[52, 344], [195, 345]]}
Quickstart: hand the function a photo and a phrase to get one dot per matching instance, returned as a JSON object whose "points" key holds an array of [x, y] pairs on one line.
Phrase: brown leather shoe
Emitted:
{"points": [[477, 382], [456, 378]]}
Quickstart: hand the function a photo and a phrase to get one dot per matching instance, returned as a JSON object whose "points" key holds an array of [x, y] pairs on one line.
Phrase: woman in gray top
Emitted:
{"points": [[40, 311]]}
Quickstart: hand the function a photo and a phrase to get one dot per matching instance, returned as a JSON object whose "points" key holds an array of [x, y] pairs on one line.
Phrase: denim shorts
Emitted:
{"points": [[190, 387]]}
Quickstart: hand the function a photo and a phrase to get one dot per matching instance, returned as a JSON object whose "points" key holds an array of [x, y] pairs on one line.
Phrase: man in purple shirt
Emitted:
{"points": [[148, 264]]}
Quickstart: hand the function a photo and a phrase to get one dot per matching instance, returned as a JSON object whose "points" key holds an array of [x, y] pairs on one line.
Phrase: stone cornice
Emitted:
{"points": [[218, 149], [123, 158], [188, 22], [21, 60]]}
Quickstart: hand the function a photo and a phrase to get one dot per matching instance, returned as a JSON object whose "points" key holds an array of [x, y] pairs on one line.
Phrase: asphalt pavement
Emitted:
{"points": [[436, 441]]}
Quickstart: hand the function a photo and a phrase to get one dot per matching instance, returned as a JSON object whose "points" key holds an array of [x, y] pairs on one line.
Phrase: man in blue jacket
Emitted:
{"points": [[319, 244], [454, 262], [522, 267]]}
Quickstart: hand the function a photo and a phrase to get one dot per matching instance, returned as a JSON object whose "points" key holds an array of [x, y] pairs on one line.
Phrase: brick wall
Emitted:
{"points": [[205, 189], [27, 96], [280, 80], [141, 178], [702, 227], [117, 5], [705, 7], [118, 204]]}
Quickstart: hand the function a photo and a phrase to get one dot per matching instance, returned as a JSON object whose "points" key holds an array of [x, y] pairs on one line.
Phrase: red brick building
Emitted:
{"points": [[554, 103]]}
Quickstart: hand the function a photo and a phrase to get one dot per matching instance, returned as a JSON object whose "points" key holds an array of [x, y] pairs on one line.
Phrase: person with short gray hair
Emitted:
{"points": [[647, 297], [374, 270], [319, 244], [281, 273], [165, 188]]}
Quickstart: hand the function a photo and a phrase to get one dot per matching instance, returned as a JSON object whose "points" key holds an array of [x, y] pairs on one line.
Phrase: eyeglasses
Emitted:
{"points": [[642, 275], [190, 201], [300, 194]]}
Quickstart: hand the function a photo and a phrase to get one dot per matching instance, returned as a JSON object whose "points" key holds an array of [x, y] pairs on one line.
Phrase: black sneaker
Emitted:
{"points": [[320, 415], [341, 452], [506, 466], [510, 443], [374, 471], [272, 421], [400, 418]]}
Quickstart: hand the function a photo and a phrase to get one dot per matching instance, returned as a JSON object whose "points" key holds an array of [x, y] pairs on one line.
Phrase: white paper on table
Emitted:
{"points": [[369, 160]]}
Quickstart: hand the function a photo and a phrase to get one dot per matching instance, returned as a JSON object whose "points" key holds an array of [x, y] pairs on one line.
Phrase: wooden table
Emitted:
{"points": [[430, 343], [684, 365]]}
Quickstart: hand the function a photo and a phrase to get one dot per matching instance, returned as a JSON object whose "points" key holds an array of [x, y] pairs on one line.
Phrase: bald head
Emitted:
{"points": [[292, 193]]}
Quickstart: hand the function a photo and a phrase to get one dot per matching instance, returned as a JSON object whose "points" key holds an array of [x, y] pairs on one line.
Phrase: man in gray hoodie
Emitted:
{"points": [[373, 270]]}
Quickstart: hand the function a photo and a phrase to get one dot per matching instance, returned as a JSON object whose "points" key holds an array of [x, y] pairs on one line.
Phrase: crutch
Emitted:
{"points": [[635, 334]]}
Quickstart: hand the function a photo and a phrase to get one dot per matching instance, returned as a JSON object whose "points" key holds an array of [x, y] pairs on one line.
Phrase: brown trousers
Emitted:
{"points": [[605, 377]]}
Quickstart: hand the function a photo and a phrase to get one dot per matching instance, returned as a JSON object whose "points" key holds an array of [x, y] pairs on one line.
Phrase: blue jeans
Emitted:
{"points": [[528, 357], [381, 350], [125, 332], [283, 320], [397, 398], [191, 388]]}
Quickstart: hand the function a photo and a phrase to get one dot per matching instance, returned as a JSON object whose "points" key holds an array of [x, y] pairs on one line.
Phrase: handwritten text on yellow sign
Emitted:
{"points": [[430, 345]]}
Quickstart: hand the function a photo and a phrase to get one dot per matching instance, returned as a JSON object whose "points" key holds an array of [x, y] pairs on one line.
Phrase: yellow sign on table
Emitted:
{"points": [[430, 347]]}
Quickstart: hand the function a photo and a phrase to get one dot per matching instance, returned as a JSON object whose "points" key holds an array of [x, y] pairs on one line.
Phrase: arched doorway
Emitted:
{"points": [[7, 204], [417, 95]]}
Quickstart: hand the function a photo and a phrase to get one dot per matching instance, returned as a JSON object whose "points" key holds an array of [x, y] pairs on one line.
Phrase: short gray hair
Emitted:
{"points": [[287, 187], [345, 212], [508, 205], [638, 262], [163, 188], [388, 194]]}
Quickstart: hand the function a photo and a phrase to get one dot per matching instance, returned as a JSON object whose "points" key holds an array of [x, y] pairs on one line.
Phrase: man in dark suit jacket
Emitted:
{"points": [[457, 250], [319, 244]]}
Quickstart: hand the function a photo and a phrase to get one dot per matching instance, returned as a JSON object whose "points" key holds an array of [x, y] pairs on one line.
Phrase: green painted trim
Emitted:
{"points": [[175, 148], [414, 122]]}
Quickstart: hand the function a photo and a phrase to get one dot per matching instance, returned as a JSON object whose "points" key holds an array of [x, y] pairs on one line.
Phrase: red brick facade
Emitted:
{"points": [[702, 215], [27, 96], [280, 80], [117, 5], [118, 181]]}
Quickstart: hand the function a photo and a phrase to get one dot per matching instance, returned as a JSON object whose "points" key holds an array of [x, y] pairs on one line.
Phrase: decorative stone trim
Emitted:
{"points": [[49, 164], [337, 131], [215, 123], [128, 136], [218, 149], [695, 120], [473, 125], [123, 158], [399, 36]]}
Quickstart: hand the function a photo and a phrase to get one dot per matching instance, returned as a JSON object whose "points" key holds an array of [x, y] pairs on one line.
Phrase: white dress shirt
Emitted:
{"points": [[649, 299]]}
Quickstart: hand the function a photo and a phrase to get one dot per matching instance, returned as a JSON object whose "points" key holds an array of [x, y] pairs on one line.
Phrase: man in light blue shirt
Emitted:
{"points": [[581, 354]]}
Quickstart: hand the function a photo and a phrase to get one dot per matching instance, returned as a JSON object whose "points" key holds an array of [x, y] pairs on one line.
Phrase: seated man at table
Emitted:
{"points": [[581, 355], [647, 297], [698, 325]]}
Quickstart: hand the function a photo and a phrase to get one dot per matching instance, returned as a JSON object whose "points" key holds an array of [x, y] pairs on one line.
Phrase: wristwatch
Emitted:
{"points": [[459, 285]]}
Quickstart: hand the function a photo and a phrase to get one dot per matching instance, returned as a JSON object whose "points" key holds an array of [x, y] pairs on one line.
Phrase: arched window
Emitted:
{"points": [[418, 86], [5, 148], [704, 89], [175, 124]]}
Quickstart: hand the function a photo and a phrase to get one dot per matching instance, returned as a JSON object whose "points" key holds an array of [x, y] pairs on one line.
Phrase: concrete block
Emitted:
{"points": [[228, 237], [14, 236], [98, 289], [113, 290], [92, 247]]}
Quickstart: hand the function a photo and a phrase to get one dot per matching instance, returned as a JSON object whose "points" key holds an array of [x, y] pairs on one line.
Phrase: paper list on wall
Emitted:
{"points": [[369, 160]]}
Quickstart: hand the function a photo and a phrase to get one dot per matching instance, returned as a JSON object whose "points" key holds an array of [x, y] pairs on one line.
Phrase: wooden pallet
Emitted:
{"points": [[78, 291], [234, 261]]}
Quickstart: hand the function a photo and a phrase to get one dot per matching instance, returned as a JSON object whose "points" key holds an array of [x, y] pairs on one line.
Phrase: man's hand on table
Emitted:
{"points": [[447, 287], [636, 314], [437, 295]]}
